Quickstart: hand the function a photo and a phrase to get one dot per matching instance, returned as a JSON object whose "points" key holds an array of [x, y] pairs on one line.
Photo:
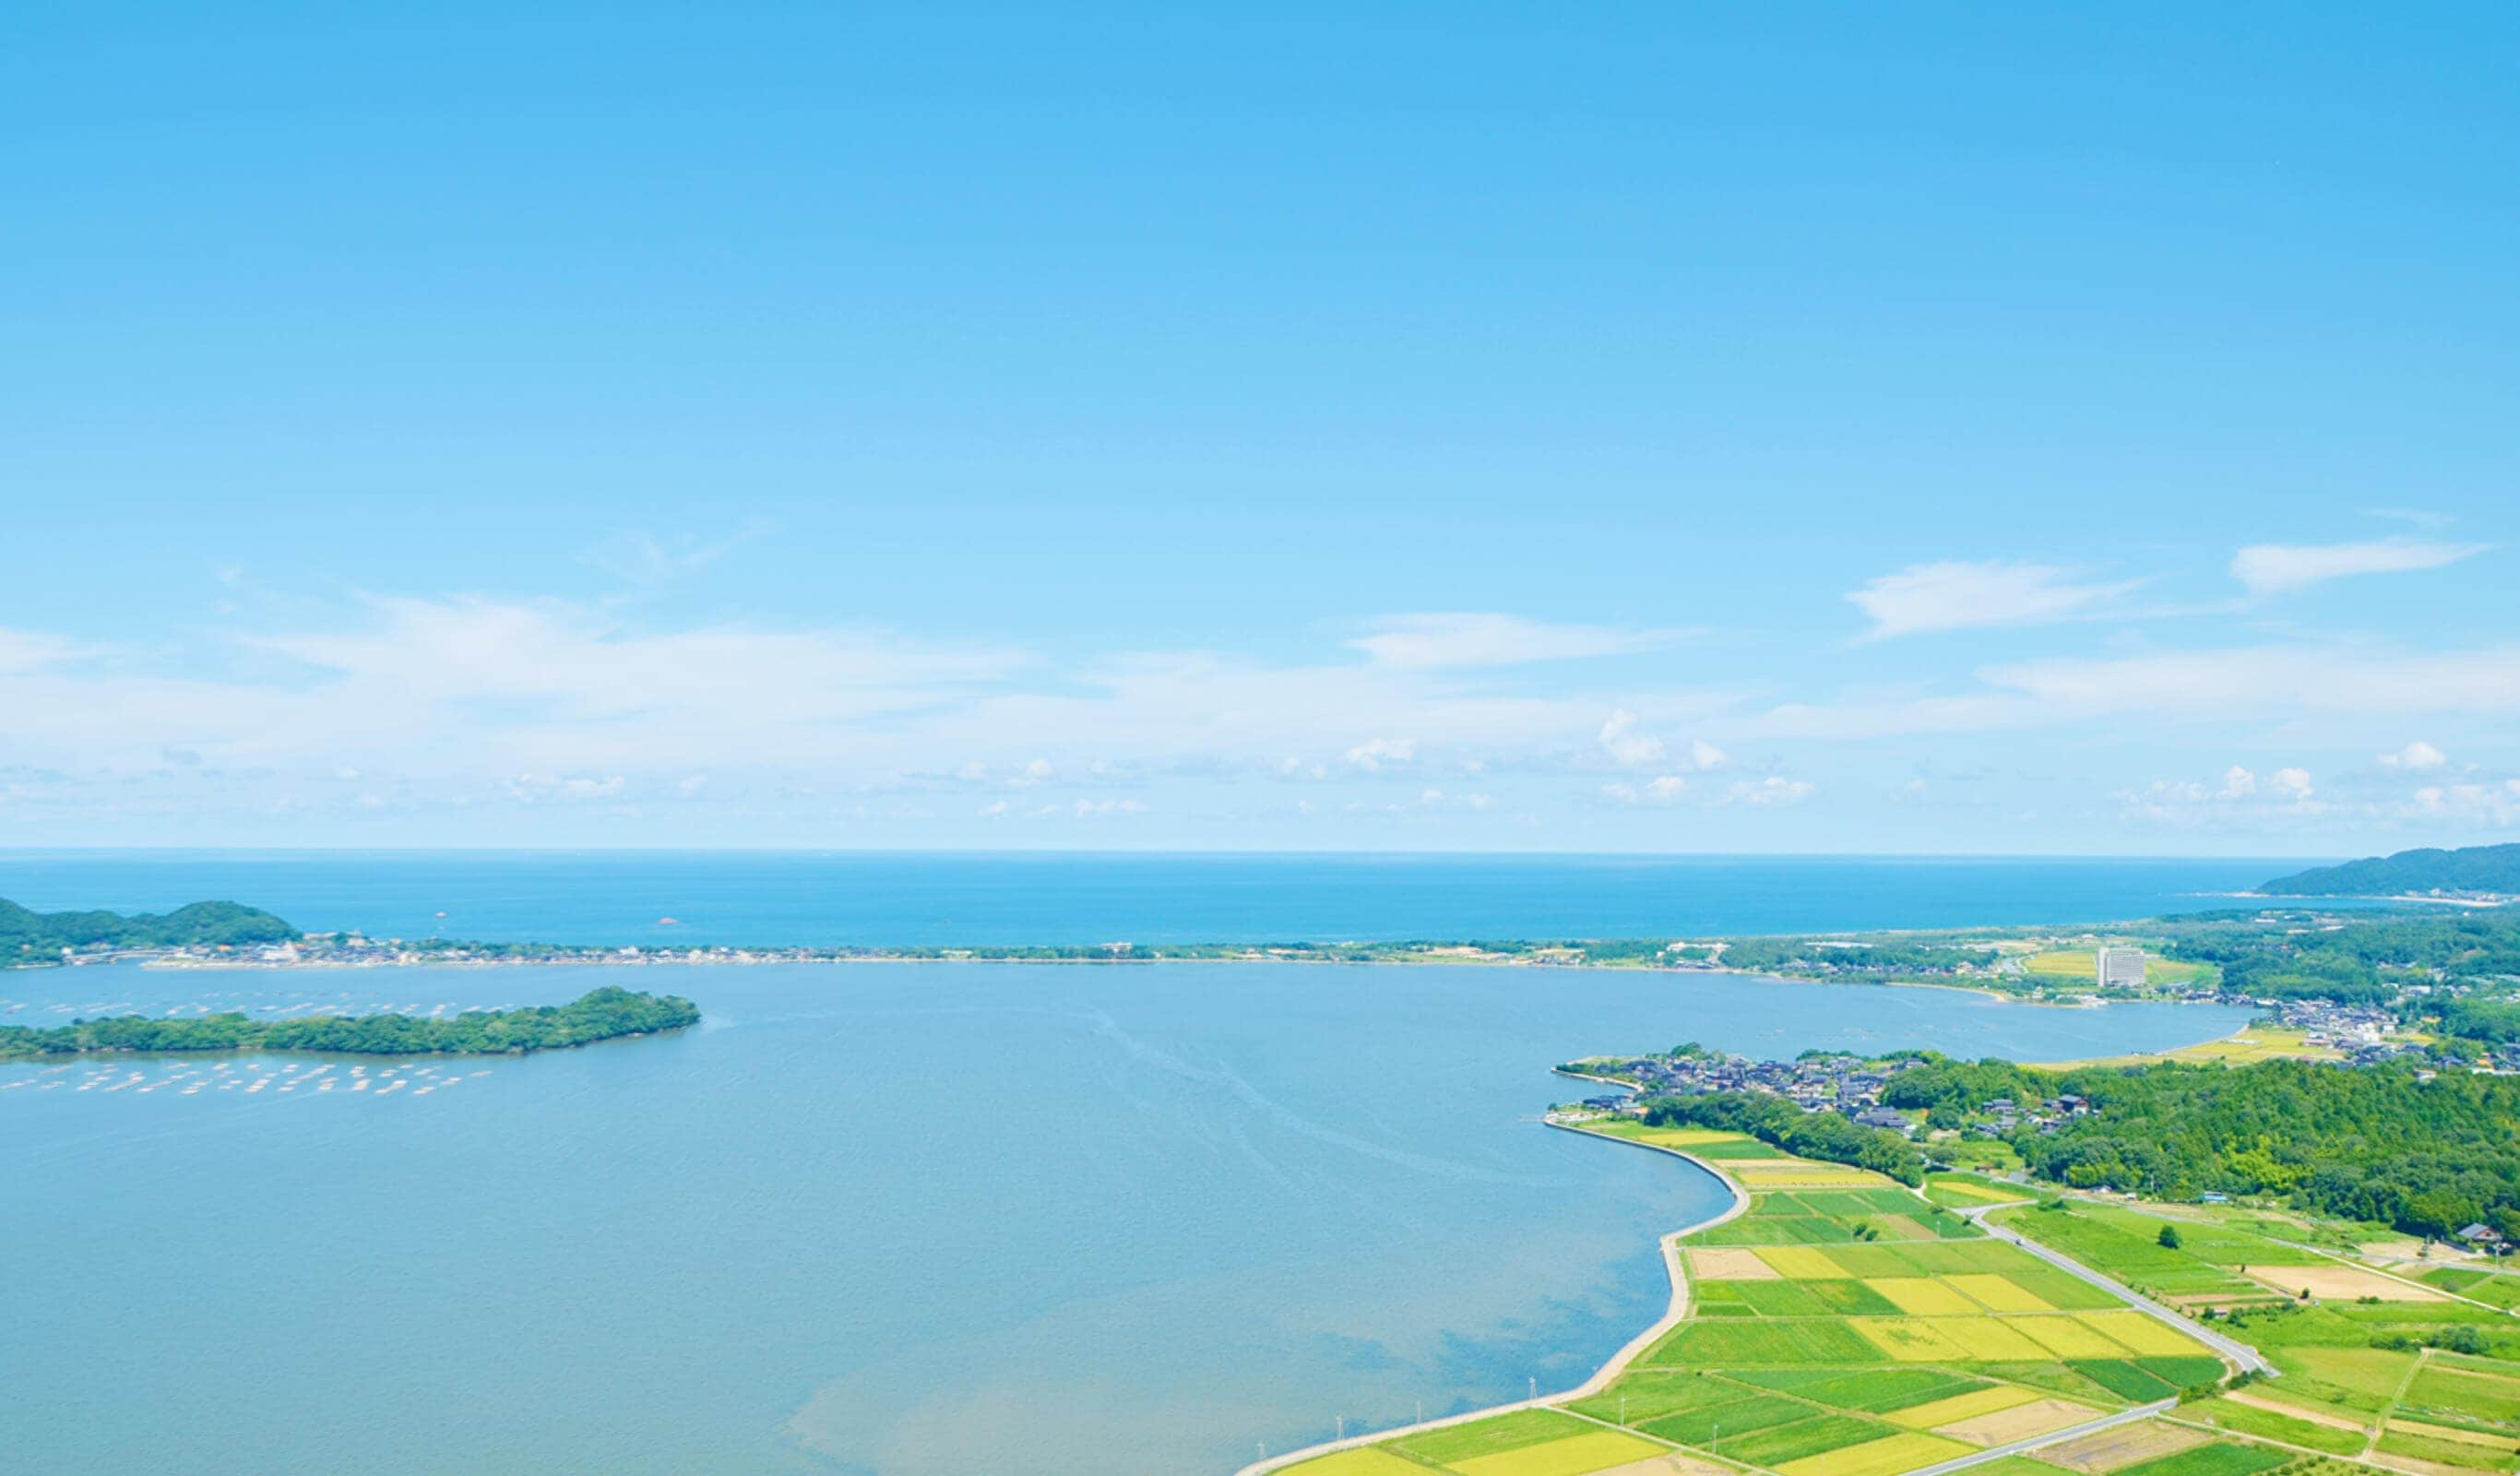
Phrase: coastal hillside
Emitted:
{"points": [[2469, 869], [32, 937]]}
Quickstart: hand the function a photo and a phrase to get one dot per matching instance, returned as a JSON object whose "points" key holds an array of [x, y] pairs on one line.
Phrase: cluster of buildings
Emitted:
{"points": [[1847, 1085], [1843, 1083]]}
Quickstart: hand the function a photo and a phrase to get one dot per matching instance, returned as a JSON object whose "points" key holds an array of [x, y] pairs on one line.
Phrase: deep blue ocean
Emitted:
{"points": [[905, 1220], [799, 897]]}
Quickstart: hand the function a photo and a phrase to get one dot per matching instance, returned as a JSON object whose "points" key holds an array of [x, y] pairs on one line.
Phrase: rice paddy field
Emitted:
{"points": [[1847, 1325], [2360, 1375], [1843, 1326]]}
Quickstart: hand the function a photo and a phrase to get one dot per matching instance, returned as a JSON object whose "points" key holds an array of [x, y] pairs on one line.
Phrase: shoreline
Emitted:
{"points": [[720, 961], [1675, 1312]]}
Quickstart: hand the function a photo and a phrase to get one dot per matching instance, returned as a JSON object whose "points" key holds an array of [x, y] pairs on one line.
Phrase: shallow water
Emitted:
{"points": [[896, 1219]]}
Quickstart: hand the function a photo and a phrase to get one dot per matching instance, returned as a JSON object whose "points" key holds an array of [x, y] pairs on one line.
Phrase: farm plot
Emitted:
{"points": [[2212, 1460], [1879, 1457], [2125, 1445], [1455, 1444], [2472, 1393], [1800, 1174], [2002, 1427], [1987, 1399], [1575, 1456], [2335, 1281]]}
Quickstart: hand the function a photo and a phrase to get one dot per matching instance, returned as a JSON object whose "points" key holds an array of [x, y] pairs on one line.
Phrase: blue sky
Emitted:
{"points": [[1662, 427]]}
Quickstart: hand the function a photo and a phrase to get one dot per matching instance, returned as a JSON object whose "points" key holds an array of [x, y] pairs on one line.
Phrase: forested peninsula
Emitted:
{"points": [[2469, 871], [32, 937], [600, 1014]]}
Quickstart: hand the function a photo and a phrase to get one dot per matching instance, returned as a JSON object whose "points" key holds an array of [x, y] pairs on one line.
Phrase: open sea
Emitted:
{"points": [[906, 1220]]}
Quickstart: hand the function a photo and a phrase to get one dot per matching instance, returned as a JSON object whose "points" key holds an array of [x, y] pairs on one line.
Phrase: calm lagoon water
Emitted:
{"points": [[912, 1220]]}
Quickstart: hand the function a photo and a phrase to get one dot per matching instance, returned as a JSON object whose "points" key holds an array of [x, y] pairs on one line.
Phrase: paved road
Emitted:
{"points": [[2052, 1437], [2231, 1348]]}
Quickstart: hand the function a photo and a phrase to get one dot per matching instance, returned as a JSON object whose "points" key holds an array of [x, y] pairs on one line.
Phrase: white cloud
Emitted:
{"points": [[1771, 790], [1467, 639], [578, 787], [2415, 755], [2239, 798], [1626, 745], [1705, 755], [2268, 568], [2211, 685], [1956, 595], [1668, 786], [1374, 753], [30, 649]]}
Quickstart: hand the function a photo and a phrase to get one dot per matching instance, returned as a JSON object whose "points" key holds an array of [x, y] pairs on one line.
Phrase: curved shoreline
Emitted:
{"points": [[1673, 1315]]}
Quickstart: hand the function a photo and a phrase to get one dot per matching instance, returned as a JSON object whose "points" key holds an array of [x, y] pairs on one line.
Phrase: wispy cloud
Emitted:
{"points": [[31, 651], [643, 557], [2271, 569], [2220, 683], [1924, 598], [1467, 639]]}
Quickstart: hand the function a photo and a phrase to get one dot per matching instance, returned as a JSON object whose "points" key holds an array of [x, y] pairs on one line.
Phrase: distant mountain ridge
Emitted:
{"points": [[2469, 869], [27, 936]]}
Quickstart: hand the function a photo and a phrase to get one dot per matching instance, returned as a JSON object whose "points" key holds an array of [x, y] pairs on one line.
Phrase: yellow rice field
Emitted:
{"points": [[1922, 1295], [2067, 1336], [1575, 1456], [2139, 1332], [1878, 1457], [2000, 1292], [1803, 1263], [1943, 1411]]}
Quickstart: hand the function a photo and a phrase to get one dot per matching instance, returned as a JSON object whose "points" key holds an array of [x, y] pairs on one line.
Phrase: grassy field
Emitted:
{"points": [[2256, 1043], [1845, 1325]]}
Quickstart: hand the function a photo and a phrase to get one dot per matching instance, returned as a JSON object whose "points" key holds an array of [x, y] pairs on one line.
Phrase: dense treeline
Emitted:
{"points": [[597, 1015], [2376, 1143], [2494, 1020], [2361, 963], [32, 937], [1875, 958], [1775, 1121]]}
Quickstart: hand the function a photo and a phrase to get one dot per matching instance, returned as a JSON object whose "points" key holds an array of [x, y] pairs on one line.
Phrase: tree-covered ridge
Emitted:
{"points": [[2469, 869], [27, 936], [600, 1014]]}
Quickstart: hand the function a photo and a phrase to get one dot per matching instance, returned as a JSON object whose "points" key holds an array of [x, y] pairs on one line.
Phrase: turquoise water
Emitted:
{"points": [[920, 899], [913, 1220]]}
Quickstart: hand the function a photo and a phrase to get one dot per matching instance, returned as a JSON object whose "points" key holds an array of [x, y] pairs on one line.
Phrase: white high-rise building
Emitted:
{"points": [[2119, 966]]}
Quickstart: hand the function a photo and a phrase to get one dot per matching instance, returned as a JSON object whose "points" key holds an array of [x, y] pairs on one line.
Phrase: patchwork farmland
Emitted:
{"points": [[1843, 1325]]}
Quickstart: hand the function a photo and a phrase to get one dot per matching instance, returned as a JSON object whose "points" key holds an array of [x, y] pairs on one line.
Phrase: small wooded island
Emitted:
{"points": [[599, 1014]]}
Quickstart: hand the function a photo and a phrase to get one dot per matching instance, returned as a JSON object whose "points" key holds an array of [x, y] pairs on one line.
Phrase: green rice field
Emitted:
{"points": [[1845, 1325]]}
